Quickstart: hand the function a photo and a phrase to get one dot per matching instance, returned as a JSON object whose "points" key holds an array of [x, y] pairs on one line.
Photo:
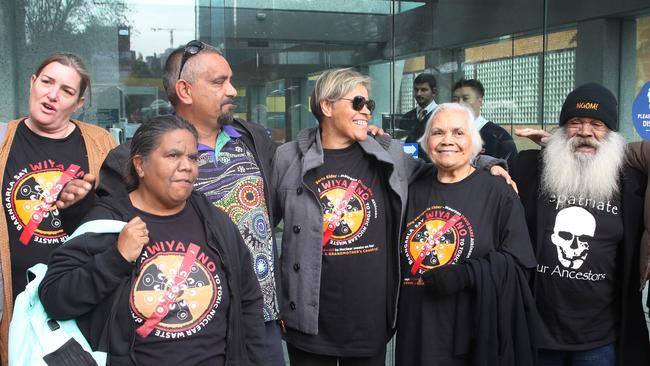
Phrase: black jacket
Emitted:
{"points": [[85, 276], [633, 347], [497, 142], [416, 130], [503, 316]]}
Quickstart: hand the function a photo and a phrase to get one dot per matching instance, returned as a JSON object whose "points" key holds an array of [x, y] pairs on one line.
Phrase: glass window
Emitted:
{"points": [[527, 54], [526, 63]]}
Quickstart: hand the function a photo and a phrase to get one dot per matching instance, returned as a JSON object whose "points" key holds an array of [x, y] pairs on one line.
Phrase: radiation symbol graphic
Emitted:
{"points": [[351, 218], [29, 192], [197, 298], [442, 247]]}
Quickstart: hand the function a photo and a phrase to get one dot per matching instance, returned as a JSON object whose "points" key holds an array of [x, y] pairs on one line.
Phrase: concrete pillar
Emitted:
{"points": [[627, 91], [598, 53], [8, 76], [606, 54]]}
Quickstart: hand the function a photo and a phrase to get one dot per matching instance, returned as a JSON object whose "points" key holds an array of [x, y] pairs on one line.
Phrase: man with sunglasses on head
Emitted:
{"points": [[234, 165], [341, 194]]}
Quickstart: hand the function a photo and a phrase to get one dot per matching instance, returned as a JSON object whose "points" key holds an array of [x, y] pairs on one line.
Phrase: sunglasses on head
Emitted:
{"points": [[191, 49], [358, 102]]}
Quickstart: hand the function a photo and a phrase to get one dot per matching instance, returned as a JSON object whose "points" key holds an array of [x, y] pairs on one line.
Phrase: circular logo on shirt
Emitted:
{"points": [[185, 298], [348, 205], [351, 217], [30, 191], [440, 235]]}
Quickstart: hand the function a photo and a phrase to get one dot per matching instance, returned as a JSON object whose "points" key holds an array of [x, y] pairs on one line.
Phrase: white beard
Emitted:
{"points": [[570, 173]]}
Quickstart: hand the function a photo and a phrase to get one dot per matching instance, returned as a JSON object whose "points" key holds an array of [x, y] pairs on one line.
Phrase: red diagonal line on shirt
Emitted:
{"points": [[339, 211], [432, 242], [48, 200], [172, 293]]}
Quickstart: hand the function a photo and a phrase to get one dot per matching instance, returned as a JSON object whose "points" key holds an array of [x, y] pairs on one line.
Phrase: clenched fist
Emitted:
{"points": [[132, 238]]}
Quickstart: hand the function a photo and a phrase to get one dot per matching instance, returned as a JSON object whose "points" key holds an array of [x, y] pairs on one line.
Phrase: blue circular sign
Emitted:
{"points": [[641, 112]]}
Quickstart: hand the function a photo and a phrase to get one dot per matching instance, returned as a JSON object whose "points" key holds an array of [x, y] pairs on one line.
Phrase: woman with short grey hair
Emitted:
{"points": [[464, 250], [342, 194]]}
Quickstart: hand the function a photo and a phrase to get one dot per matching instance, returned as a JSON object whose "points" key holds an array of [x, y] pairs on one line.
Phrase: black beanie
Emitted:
{"points": [[592, 101]]}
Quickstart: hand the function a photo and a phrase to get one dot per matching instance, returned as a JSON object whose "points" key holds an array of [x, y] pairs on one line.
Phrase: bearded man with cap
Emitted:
{"points": [[584, 210]]}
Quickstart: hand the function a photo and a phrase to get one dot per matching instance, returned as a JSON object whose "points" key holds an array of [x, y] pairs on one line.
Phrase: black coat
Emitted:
{"points": [[497, 142], [416, 130], [502, 322], [633, 347]]}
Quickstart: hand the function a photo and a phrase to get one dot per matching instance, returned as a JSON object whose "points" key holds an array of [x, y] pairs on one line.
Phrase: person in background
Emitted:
{"points": [[178, 276], [497, 142], [460, 265], [424, 92], [415, 120], [38, 155], [584, 209]]}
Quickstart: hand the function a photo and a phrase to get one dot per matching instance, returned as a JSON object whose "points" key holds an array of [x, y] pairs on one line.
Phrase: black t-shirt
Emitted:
{"points": [[352, 319], [193, 330], [451, 223], [35, 166], [576, 277]]}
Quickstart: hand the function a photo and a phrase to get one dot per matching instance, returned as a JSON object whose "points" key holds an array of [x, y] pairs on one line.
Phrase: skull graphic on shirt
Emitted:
{"points": [[573, 227]]}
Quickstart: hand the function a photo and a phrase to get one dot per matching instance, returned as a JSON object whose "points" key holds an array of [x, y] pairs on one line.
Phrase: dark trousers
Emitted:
{"points": [[601, 356], [298, 357], [274, 353]]}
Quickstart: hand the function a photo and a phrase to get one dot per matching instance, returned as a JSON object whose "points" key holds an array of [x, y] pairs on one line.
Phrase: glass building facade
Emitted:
{"points": [[528, 54]]}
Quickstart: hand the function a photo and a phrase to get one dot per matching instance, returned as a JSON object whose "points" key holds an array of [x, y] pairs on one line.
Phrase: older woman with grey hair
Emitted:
{"points": [[463, 252], [342, 194]]}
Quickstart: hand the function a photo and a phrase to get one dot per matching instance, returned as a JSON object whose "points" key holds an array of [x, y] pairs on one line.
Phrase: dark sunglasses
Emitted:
{"points": [[191, 49], [358, 102]]}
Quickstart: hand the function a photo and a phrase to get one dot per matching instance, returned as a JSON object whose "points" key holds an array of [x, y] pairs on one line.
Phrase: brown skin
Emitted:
{"points": [[132, 238], [211, 95], [450, 146], [166, 178], [423, 94], [586, 128], [201, 102], [167, 175], [342, 125], [75, 190]]}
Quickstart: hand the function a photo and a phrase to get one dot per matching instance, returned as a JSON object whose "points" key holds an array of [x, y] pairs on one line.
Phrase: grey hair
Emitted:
{"points": [[334, 84], [190, 70], [477, 141]]}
